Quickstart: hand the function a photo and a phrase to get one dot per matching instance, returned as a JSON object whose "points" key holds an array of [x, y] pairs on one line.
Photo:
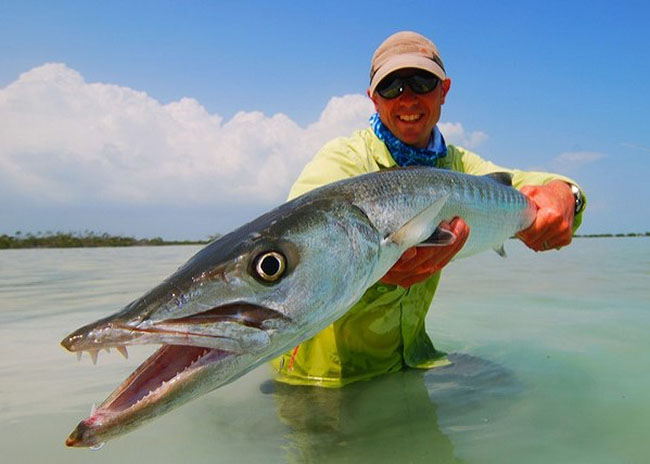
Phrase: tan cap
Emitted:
{"points": [[405, 49]]}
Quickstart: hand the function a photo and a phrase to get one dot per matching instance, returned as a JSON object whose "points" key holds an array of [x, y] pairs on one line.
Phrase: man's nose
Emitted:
{"points": [[408, 94]]}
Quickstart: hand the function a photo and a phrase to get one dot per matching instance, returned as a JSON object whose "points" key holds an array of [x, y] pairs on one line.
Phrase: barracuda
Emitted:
{"points": [[280, 279]]}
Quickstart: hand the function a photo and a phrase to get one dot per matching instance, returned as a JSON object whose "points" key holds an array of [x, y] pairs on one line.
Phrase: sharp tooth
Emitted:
{"points": [[93, 356], [93, 408], [98, 447], [79, 355], [123, 352]]}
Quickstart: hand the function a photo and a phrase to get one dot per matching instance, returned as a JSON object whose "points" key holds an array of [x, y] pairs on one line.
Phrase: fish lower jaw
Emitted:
{"points": [[148, 388]]}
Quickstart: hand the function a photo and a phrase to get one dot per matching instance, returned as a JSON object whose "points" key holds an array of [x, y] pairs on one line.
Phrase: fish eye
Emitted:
{"points": [[270, 266]]}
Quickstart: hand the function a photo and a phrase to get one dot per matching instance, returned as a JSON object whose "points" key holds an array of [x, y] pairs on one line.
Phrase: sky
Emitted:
{"points": [[186, 119]]}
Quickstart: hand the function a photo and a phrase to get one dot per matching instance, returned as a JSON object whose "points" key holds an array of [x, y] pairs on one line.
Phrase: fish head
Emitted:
{"points": [[243, 299]]}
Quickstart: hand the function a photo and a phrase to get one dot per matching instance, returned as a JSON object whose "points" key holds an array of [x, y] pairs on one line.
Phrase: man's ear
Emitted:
{"points": [[373, 98], [446, 85]]}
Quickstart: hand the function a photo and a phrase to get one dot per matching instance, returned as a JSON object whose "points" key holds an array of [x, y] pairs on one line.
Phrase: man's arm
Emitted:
{"points": [[553, 225], [338, 159]]}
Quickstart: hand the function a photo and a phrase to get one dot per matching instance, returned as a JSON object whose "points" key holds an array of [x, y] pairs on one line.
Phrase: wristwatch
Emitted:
{"points": [[579, 201]]}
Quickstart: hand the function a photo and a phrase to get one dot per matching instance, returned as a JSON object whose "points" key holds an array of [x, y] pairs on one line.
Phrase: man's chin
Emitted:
{"points": [[415, 140], [414, 134]]}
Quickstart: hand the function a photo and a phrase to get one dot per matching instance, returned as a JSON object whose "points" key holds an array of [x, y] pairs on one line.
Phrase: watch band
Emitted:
{"points": [[579, 201]]}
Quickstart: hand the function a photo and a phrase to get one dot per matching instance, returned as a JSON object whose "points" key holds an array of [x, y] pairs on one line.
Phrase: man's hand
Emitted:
{"points": [[553, 225], [419, 263]]}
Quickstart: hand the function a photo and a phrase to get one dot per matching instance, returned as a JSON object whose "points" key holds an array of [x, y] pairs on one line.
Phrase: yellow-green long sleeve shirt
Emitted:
{"points": [[385, 330]]}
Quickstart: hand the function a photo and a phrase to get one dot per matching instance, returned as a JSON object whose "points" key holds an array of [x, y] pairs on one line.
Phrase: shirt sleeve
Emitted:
{"points": [[339, 159]]}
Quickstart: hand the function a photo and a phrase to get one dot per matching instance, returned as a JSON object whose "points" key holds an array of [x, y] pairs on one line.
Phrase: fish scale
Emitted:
{"points": [[493, 211]]}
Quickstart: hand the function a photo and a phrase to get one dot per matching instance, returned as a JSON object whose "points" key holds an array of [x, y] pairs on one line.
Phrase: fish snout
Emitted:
{"points": [[76, 438], [99, 335]]}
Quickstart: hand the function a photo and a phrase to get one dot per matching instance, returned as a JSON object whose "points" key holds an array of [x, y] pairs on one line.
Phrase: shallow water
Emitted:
{"points": [[551, 364]]}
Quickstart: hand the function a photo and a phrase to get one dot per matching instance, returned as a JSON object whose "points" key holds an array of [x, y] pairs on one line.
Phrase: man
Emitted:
{"points": [[384, 332]]}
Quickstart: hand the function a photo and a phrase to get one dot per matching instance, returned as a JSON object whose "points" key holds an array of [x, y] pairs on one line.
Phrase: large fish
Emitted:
{"points": [[280, 279]]}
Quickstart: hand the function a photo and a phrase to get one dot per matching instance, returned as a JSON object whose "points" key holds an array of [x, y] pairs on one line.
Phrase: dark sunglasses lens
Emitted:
{"points": [[419, 83], [390, 88], [423, 83]]}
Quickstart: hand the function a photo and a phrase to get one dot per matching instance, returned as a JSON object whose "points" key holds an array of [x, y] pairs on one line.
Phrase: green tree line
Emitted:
{"points": [[84, 239]]}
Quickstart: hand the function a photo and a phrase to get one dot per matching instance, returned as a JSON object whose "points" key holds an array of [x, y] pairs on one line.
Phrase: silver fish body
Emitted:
{"points": [[271, 284]]}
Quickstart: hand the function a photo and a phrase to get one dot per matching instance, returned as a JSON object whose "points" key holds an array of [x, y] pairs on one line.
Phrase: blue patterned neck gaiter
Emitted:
{"points": [[406, 155]]}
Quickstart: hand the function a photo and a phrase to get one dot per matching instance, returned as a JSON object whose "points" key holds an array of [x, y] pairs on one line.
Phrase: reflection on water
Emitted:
{"points": [[388, 419], [470, 380]]}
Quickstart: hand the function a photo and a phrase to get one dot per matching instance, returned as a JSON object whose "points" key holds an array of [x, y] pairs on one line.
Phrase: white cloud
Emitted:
{"points": [[67, 141], [574, 159], [455, 134], [635, 146]]}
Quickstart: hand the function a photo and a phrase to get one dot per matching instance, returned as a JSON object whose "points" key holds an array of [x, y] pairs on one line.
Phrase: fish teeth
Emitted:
{"points": [[196, 360], [98, 447], [94, 354], [164, 382], [193, 362], [123, 352]]}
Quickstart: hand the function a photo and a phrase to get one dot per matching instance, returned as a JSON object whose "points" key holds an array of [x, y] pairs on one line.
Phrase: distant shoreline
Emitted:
{"points": [[629, 234], [96, 240], [85, 240]]}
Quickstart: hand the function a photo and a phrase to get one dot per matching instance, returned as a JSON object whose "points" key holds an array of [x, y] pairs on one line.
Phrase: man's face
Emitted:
{"points": [[411, 117]]}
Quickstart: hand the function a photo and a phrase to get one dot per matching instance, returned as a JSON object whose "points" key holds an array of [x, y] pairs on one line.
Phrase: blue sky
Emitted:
{"points": [[183, 119]]}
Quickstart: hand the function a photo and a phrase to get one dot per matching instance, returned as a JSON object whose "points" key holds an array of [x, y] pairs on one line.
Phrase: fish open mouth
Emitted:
{"points": [[171, 370], [168, 368]]}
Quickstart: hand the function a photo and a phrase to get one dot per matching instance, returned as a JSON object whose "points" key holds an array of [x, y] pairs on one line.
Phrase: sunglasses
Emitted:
{"points": [[393, 87]]}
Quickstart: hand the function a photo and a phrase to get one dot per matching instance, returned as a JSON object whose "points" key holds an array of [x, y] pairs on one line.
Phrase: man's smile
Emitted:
{"points": [[410, 117]]}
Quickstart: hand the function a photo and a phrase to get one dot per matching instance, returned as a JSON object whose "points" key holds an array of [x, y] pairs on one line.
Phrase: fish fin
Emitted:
{"points": [[418, 228], [501, 177], [440, 237], [501, 251]]}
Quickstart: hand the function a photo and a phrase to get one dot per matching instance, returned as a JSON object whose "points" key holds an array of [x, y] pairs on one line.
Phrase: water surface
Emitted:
{"points": [[550, 351]]}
